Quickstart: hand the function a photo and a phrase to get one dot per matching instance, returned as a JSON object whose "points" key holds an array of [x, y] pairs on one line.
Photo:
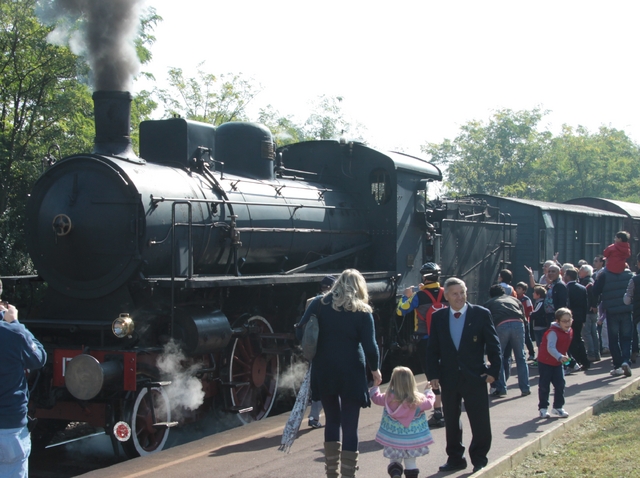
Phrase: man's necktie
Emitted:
{"points": [[457, 315]]}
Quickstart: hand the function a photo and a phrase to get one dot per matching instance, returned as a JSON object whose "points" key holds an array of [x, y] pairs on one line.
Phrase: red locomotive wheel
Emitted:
{"points": [[255, 372], [150, 403]]}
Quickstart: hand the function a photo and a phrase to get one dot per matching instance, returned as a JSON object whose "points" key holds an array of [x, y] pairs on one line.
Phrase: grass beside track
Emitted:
{"points": [[605, 445]]}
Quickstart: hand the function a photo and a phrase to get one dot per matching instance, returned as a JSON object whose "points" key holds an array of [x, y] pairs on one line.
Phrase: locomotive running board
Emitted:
{"points": [[204, 281]]}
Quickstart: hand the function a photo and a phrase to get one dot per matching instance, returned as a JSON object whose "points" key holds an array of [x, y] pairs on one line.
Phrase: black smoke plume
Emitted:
{"points": [[106, 35]]}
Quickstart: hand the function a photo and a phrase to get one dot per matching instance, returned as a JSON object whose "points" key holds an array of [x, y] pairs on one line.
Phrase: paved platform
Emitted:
{"points": [[251, 451]]}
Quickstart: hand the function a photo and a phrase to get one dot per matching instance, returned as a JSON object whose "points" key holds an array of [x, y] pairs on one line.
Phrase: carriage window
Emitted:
{"points": [[380, 186]]}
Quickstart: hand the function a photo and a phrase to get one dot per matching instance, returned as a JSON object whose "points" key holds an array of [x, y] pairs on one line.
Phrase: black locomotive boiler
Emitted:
{"points": [[210, 238]]}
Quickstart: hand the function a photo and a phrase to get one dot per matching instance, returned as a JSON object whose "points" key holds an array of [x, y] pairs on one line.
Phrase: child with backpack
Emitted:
{"points": [[428, 298], [404, 431]]}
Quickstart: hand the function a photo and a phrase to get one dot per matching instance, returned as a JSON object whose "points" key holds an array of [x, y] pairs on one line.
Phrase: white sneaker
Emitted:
{"points": [[559, 412], [616, 372], [544, 413], [626, 368]]}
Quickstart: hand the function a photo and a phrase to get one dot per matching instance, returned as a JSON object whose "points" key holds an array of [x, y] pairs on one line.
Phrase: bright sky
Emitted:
{"points": [[415, 71]]}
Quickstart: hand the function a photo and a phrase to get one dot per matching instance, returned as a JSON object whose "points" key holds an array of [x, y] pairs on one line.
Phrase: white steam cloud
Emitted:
{"points": [[292, 377], [185, 391]]}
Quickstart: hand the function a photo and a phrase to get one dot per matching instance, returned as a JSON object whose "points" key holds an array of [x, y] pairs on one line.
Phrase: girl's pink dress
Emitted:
{"points": [[404, 431]]}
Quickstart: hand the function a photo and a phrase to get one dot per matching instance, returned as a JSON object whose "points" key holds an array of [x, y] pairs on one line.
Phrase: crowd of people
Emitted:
{"points": [[576, 315]]}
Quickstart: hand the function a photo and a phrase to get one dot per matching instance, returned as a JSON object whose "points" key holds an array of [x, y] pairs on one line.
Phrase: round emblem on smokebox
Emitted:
{"points": [[122, 431]]}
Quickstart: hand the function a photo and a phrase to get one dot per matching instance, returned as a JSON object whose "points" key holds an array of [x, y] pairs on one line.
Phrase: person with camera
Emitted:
{"points": [[20, 352]]}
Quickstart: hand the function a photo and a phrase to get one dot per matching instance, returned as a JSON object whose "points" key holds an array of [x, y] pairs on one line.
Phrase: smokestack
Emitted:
{"points": [[112, 110]]}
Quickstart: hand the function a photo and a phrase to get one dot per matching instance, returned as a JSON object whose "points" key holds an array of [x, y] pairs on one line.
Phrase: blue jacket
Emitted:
{"points": [[19, 351], [611, 288], [346, 345]]}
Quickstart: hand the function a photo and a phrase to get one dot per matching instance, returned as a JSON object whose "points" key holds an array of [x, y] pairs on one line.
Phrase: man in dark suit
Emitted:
{"points": [[460, 337], [578, 303]]}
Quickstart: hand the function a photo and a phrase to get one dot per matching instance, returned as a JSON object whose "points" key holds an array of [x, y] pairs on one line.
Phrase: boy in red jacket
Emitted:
{"points": [[552, 353], [616, 254]]}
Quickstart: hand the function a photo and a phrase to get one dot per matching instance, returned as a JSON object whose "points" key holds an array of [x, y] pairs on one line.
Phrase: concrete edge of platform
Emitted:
{"points": [[518, 455]]}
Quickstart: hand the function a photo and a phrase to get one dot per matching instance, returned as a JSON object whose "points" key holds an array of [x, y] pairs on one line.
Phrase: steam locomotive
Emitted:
{"points": [[212, 239]]}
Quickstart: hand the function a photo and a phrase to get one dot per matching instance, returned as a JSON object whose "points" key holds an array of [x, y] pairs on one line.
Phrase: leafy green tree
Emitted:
{"points": [[145, 39], [496, 157], [46, 110], [284, 128], [144, 104], [207, 97], [579, 163], [42, 104], [327, 121]]}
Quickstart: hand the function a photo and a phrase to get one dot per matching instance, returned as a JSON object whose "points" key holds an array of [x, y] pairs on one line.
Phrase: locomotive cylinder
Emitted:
{"points": [[85, 377], [202, 332]]}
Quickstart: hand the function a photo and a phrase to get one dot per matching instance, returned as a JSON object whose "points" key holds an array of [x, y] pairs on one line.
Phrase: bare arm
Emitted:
{"points": [[532, 280]]}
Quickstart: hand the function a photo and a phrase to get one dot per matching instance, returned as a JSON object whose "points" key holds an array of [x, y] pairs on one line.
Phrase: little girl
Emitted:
{"points": [[404, 431]]}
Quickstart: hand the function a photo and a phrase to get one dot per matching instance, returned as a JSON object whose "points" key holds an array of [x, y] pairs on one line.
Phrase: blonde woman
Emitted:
{"points": [[346, 345]]}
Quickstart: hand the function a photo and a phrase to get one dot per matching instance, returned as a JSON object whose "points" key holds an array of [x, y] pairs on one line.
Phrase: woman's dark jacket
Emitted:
{"points": [[345, 339]]}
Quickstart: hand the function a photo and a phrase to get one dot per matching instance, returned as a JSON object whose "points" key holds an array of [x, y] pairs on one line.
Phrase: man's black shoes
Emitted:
{"points": [[477, 468], [447, 467]]}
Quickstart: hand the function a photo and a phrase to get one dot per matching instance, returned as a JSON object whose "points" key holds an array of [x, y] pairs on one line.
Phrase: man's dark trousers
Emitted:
{"points": [[473, 391], [577, 348], [620, 327]]}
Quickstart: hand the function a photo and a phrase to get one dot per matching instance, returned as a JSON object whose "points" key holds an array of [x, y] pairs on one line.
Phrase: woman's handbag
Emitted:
{"points": [[309, 340]]}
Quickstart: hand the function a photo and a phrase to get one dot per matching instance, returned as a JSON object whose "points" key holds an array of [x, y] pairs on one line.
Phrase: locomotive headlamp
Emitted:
{"points": [[123, 326]]}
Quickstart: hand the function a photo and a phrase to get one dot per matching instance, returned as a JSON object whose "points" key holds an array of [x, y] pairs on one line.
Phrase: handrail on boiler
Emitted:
{"points": [[174, 247]]}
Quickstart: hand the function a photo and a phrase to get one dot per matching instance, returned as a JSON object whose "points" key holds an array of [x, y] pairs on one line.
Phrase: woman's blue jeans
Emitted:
{"points": [[511, 335]]}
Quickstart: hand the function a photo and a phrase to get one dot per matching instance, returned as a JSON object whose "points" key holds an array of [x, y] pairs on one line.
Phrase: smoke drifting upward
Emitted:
{"points": [[109, 28], [185, 391]]}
